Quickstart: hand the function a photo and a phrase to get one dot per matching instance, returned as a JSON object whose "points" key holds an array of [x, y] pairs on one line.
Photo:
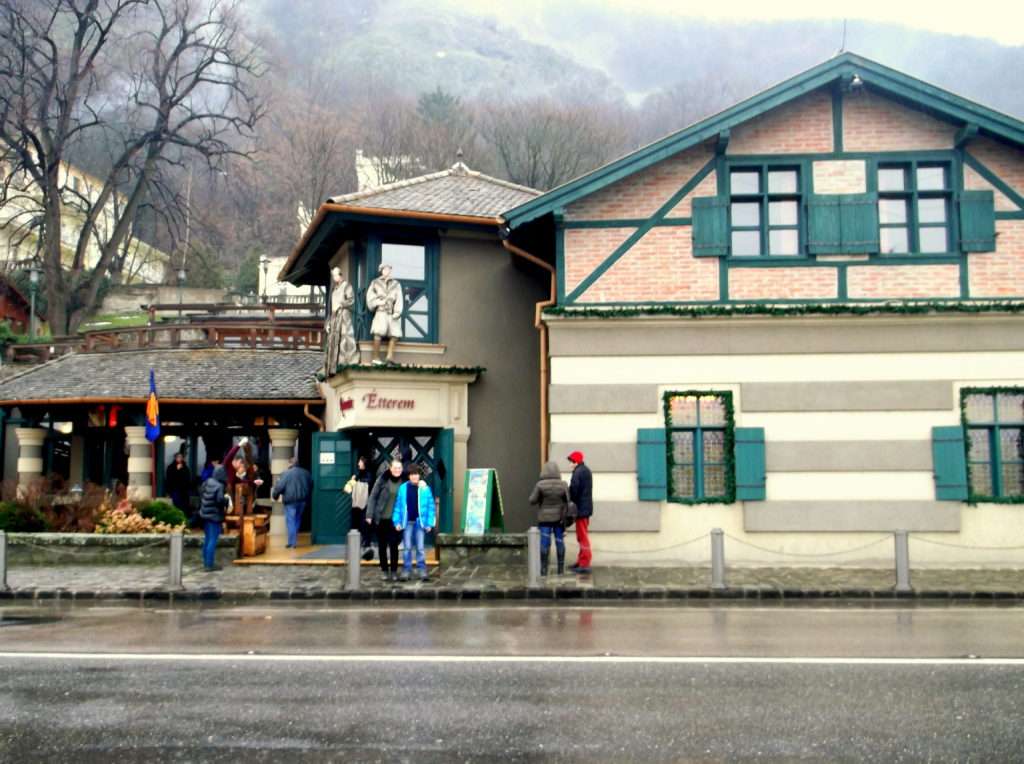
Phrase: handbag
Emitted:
{"points": [[570, 513]]}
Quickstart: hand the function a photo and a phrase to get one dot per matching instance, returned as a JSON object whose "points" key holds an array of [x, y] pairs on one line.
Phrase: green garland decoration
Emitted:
{"points": [[729, 445], [812, 309], [973, 498], [407, 369]]}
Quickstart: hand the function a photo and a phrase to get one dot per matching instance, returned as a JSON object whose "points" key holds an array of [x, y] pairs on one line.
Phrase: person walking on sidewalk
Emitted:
{"points": [[212, 503], [414, 517], [294, 487], [581, 490], [551, 494], [381, 506]]}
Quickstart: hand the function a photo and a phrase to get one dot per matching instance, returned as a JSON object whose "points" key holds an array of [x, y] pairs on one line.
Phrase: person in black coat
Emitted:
{"points": [[178, 483], [581, 493], [212, 504]]}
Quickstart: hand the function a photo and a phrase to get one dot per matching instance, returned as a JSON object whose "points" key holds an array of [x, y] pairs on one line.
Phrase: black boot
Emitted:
{"points": [[544, 563], [561, 561]]}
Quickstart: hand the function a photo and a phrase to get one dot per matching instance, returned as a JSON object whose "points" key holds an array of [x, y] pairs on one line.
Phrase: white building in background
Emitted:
{"points": [[19, 216]]}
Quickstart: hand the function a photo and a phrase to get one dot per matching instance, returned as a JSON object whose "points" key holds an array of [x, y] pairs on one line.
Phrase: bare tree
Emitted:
{"points": [[160, 80], [551, 143]]}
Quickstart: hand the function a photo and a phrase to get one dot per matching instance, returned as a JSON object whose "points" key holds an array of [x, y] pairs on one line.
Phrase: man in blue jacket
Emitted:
{"points": [[294, 487], [414, 516]]}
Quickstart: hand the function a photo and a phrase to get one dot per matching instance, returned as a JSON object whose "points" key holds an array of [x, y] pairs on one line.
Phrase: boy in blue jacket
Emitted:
{"points": [[414, 517]]}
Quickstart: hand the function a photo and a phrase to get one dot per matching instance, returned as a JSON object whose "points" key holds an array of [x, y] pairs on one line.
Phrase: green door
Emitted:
{"points": [[332, 507], [445, 452]]}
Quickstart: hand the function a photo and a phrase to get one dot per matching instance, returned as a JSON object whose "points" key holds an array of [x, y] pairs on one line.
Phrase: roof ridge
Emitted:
{"points": [[459, 169], [36, 367]]}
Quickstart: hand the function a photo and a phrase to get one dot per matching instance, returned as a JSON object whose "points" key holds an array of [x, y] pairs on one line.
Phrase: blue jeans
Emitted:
{"points": [[211, 531], [545, 538], [292, 519], [411, 532]]}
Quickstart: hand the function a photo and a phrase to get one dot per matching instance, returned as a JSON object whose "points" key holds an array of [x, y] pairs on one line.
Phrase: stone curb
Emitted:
{"points": [[494, 593]]}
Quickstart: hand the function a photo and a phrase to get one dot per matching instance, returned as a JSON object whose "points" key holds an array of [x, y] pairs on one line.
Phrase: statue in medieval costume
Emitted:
{"points": [[341, 347], [384, 298]]}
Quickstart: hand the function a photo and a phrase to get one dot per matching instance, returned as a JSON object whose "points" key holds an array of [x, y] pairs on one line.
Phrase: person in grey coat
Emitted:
{"points": [[551, 495], [294, 488], [212, 503]]}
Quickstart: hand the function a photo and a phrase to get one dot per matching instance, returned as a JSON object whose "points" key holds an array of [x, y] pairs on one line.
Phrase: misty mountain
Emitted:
{"points": [[578, 51]]}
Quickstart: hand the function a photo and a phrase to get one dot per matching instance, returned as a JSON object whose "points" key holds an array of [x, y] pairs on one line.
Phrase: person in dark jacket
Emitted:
{"points": [[381, 507], [178, 483], [581, 493], [294, 488], [358, 487], [212, 503], [551, 495]]}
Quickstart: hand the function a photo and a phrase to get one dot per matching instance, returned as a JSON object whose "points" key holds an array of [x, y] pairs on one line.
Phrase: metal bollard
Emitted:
{"points": [[3, 561], [533, 557], [354, 559], [717, 558], [902, 561], [176, 558]]}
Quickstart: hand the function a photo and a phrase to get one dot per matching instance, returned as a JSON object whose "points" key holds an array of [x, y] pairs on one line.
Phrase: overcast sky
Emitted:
{"points": [[1002, 20]]}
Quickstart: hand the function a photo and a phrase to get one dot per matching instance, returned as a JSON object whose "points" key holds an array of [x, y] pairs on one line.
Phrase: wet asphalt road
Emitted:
{"points": [[482, 683]]}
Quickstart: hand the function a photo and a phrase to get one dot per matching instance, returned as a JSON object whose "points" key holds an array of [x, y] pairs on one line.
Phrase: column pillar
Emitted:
{"points": [[140, 464], [282, 448], [30, 455], [460, 467]]}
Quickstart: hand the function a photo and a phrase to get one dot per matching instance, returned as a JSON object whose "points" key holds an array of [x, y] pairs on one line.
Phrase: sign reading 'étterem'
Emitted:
{"points": [[373, 401]]}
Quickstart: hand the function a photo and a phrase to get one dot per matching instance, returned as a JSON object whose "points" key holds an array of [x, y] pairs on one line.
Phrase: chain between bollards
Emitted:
{"points": [[353, 552], [902, 548], [533, 557], [177, 545], [717, 558]]}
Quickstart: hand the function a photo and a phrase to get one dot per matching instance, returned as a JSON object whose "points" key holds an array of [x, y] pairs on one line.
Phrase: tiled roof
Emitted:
{"points": [[216, 374], [455, 191]]}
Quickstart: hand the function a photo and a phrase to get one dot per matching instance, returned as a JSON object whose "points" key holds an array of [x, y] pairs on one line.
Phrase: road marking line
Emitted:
{"points": [[637, 659]]}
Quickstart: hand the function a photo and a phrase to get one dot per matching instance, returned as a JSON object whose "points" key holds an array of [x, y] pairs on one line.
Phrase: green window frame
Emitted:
{"points": [[766, 210], [915, 207], [994, 424], [419, 279], [700, 437]]}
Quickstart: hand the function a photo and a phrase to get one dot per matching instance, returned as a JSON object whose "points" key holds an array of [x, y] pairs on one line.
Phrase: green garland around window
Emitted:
{"points": [[815, 309], [402, 369], [976, 498], [729, 445]]}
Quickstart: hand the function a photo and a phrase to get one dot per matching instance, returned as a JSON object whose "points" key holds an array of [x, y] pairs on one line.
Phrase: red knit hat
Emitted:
{"points": [[576, 457]]}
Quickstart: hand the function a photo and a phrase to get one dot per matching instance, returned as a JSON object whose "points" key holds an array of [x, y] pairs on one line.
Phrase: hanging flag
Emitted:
{"points": [[152, 411]]}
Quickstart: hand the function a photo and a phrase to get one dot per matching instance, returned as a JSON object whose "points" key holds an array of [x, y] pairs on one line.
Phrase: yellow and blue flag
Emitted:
{"points": [[152, 411]]}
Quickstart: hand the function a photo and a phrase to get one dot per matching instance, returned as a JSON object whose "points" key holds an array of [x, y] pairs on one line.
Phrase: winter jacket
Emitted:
{"points": [[428, 512], [550, 494], [581, 491], [212, 501], [381, 502], [295, 486]]}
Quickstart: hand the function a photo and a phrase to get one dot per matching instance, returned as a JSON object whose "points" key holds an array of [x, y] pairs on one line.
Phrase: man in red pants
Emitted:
{"points": [[581, 489]]}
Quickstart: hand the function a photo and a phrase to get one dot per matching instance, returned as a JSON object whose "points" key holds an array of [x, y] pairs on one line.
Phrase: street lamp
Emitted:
{"points": [[265, 262], [182, 275], [34, 272]]}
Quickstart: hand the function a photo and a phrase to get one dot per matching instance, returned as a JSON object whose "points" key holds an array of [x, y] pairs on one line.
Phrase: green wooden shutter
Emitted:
{"points": [[824, 231], [977, 221], [949, 461], [859, 223], [651, 461], [444, 448], [750, 465], [710, 226]]}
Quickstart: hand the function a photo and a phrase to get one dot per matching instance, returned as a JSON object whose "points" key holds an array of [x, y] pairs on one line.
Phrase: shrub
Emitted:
{"points": [[162, 512], [124, 518], [17, 518]]}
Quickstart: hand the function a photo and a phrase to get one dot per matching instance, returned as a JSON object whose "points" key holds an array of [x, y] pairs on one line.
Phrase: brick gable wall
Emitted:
{"points": [[661, 266]]}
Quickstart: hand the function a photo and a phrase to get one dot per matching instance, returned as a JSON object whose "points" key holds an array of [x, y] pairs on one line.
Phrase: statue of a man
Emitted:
{"points": [[340, 343], [384, 298]]}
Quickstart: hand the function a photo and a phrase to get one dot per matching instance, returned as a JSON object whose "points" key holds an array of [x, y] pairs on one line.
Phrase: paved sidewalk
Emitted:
{"points": [[131, 582]]}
